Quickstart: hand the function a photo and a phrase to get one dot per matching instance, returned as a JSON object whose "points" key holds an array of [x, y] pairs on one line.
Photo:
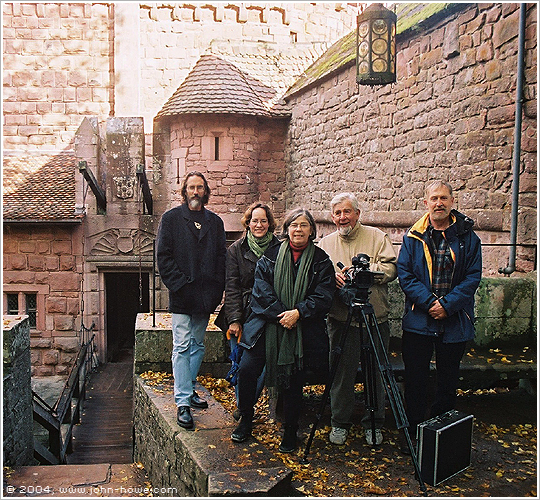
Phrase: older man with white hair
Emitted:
{"points": [[350, 239]]}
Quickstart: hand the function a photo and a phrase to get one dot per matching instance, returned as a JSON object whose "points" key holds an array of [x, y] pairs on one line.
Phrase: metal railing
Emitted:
{"points": [[58, 420]]}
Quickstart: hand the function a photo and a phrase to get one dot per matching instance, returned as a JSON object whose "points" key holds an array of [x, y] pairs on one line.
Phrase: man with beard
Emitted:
{"points": [[350, 239], [191, 262]]}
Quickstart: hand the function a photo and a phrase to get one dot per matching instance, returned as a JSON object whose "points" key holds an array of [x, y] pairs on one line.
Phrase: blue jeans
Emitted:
{"points": [[260, 381], [187, 353]]}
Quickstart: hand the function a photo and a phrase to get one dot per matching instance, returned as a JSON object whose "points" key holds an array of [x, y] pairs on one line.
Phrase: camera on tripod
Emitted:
{"points": [[358, 280]]}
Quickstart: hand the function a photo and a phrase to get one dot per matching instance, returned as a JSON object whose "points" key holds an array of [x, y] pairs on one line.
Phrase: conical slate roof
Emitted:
{"points": [[216, 86]]}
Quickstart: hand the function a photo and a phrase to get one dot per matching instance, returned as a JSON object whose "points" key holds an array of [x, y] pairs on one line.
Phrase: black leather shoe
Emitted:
{"points": [[184, 418], [198, 402], [289, 441], [404, 445], [404, 448], [243, 431]]}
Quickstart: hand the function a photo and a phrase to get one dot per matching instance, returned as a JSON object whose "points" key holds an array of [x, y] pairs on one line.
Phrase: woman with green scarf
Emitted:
{"points": [[242, 257], [286, 328]]}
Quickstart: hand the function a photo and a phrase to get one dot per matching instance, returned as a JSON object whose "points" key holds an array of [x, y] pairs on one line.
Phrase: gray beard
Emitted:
{"points": [[195, 203], [345, 231]]}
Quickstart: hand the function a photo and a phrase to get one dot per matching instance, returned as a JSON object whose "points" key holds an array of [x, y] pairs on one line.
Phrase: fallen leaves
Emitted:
{"points": [[356, 470]]}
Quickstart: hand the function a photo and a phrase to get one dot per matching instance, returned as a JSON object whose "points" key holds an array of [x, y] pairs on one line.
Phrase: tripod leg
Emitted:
{"points": [[394, 395], [336, 356], [369, 375]]}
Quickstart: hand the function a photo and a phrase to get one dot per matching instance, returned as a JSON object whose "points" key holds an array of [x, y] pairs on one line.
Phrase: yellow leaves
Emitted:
{"points": [[482, 392], [302, 489], [156, 378], [356, 470], [373, 489], [212, 446], [211, 326]]}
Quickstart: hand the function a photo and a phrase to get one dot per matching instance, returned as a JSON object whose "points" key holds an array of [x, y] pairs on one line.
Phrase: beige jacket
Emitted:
{"points": [[376, 244]]}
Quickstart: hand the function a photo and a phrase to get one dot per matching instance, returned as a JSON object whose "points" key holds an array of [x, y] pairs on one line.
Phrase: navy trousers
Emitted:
{"points": [[417, 351], [251, 366]]}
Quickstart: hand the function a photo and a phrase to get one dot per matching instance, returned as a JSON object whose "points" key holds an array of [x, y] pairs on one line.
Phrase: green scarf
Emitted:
{"points": [[284, 350], [259, 245]]}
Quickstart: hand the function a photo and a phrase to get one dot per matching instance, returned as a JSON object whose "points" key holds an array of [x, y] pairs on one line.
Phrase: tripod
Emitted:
{"points": [[371, 358]]}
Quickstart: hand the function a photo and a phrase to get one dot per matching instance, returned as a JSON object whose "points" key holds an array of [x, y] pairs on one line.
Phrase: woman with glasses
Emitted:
{"points": [[286, 330], [242, 257]]}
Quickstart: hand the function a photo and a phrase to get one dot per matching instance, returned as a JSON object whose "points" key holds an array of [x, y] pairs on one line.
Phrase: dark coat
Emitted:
{"points": [[191, 261], [240, 275], [265, 306], [415, 278]]}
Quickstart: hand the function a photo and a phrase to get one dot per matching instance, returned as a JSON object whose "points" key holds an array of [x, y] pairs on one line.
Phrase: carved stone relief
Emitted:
{"points": [[124, 187], [122, 242]]}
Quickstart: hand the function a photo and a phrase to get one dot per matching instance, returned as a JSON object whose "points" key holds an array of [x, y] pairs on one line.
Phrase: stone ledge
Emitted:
{"points": [[480, 368], [203, 462]]}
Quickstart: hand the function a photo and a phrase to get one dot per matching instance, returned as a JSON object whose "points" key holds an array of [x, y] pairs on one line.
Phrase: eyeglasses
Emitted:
{"points": [[262, 222], [294, 226]]}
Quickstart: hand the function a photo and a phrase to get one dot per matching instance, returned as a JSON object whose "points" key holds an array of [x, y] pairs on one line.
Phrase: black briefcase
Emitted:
{"points": [[444, 446]]}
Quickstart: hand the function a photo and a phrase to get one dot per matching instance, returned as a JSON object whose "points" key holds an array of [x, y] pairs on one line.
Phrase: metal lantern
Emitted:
{"points": [[376, 46]]}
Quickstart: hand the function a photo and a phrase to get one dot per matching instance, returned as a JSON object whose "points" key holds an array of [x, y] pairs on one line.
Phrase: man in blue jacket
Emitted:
{"points": [[191, 262], [439, 269]]}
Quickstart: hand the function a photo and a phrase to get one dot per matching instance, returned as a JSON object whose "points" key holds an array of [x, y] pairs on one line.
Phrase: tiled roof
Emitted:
{"points": [[249, 82], [216, 86], [39, 188]]}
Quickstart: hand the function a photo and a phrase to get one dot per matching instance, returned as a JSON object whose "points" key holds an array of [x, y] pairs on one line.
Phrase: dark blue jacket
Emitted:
{"points": [[191, 261], [415, 269], [265, 305]]}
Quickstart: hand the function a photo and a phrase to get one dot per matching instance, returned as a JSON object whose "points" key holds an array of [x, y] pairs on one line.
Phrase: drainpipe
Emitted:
{"points": [[517, 144]]}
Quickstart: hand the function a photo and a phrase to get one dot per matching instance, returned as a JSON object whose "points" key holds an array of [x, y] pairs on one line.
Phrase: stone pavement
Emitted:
{"points": [[74, 481]]}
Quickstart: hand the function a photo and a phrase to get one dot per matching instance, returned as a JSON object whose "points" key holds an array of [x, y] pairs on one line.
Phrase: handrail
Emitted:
{"points": [[63, 411]]}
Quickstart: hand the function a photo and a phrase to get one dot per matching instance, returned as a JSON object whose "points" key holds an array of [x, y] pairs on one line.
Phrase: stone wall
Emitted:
{"points": [[18, 437], [251, 165], [57, 69], [153, 346], [183, 463], [65, 61], [172, 36], [505, 312], [449, 115], [46, 261]]}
